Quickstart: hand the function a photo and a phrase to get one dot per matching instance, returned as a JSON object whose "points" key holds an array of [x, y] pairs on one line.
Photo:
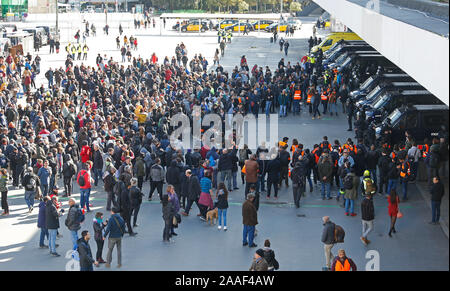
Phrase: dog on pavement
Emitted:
{"points": [[212, 215]]}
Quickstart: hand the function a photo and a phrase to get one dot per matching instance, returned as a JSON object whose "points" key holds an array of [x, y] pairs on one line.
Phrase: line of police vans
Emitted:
{"points": [[382, 91]]}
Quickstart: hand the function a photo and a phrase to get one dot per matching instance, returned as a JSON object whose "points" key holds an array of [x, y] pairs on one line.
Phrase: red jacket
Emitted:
{"points": [[85, 154], [87, 179]]}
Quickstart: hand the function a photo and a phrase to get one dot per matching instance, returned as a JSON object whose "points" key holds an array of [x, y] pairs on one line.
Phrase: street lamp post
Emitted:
{"points": [[56, 1]]}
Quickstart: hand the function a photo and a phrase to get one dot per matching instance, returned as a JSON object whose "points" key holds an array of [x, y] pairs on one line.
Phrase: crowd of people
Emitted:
{"points": [[110, 124]]}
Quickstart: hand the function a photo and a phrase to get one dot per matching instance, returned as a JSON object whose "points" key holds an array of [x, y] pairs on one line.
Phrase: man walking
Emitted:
{"points": [[115, 230], [328, 239], [84, 181], [31, 183], [193, 189], [286, 47], [367, 215], [52, 215], [84, 250], [325, 169], [250, 220]]}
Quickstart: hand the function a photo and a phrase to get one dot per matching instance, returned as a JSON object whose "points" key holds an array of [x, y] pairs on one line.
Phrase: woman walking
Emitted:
{"points": [[269, 256], [99, 225], [205, 202], [4, 191], [222, 205], [393, 201]]}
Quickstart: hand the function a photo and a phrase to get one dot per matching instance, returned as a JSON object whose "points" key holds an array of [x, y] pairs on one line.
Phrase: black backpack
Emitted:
{"points": [[348, 182], [81, 179], [434, 160]]}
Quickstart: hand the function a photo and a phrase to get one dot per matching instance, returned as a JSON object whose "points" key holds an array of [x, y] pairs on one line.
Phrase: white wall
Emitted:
{"points": [[423, 55]]}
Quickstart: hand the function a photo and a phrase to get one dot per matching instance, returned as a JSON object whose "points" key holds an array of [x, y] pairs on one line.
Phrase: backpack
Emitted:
{"points": [[212, 162], [434, 160], [82, 182], [339, 234], [348, 182], [370, 187], [30, 182]]}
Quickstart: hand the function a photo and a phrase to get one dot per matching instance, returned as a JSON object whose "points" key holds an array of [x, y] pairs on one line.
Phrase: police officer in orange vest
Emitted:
{"points": [[342, 263], [405, 173], [297, 99]]}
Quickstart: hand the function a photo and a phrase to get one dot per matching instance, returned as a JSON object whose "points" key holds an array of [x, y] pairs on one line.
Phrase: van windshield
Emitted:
{"points": [[373, 93], [341, 58], [381, 101], [367, 83], [395, 116]]}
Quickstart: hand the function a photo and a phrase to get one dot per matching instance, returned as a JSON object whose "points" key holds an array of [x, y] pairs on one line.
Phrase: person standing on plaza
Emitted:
{"points": [[52, 215], [136, 200], [328, 239], [251, 168], [269, 256], [193, 190], [350, 109], [41, 223], [84, 181], [351, 193], [109, 182], [250, 220], [393, 210], [114, 231], [168, 213], [437, 192], [205, 202], [273, 175], [84, 250], [157, 175], [173, 198], [69, 170], [124, 203], [31, 183], [222, 205], [73, 221], [367, 216], [259, 263], [44, 175], [99, 226], [325, 169], [286, 47], [298, 177], [342, 263]]}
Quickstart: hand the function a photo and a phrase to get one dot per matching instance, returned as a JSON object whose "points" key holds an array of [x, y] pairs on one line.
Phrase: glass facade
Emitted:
{"points": [[14, 6]]}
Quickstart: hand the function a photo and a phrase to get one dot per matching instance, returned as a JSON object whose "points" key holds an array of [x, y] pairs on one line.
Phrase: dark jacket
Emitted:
{"points": [[222, 202], [168, 211], [86, 259], [194, 188], [73, 221], [51, 215], [109, 182], [372, 159], [97, 159], [41, 223], [249, 214], [28, 179], [325, 170], [367, 210], [135, 196], [113, 228], [98, 228], [437, 191], [226, 161], [284, 158], [383, 165], [124, 198], [328, 233], [273, 170], [173, 174]]}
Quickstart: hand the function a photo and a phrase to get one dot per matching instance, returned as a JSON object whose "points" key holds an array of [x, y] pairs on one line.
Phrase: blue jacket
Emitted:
{"points": [[44, 175], [113, 229]]}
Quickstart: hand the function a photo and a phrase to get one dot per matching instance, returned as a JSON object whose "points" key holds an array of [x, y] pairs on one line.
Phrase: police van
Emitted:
{"points": [[422, 121], [378, 79], [384, 88]]}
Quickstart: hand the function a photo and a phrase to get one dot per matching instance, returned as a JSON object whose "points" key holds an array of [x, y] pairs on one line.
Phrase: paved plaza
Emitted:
{"points": [[295, 233]]}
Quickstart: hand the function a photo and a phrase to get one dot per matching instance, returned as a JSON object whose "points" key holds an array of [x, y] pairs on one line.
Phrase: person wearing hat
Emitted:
{"points": [[259, 263], [250, 220], [368, 185], [31, 183]]}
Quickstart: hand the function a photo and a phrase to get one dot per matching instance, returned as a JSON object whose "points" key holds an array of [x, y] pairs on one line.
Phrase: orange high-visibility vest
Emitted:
{"points": [[309, 99], [424, 148], [244, 171], [405, 172], [324, 97], [339, 267], [298, 95], [293, 147], [316, 156]]}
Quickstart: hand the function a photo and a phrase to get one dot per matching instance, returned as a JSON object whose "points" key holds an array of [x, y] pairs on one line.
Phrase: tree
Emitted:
{"points": [[243, 6], [295, 7]]}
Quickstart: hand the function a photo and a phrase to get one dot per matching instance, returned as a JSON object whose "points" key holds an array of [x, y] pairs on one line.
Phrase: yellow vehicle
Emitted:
{"points": [[263, 24], [194, 26], [331, 39], [225, 23]]}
